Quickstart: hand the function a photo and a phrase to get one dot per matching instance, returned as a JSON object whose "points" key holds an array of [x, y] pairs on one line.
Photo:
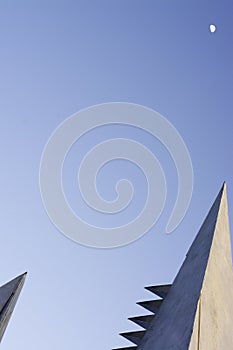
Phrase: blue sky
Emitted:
{"points": [[58, 57]]}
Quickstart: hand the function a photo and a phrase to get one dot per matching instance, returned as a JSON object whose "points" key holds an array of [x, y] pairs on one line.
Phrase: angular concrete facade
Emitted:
{"points": [[196, 311], [9, 294]]}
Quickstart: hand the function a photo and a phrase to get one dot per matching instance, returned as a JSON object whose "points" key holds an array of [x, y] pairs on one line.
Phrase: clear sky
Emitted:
{"points": [[58, 57]]}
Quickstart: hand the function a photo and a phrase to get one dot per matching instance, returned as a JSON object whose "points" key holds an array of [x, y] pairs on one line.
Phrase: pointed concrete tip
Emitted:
{"points": [[9, 294], [160, 290], [18, 279], [15, 281], [23, 275], [224, 186], [142, 321], [151, 305], [127, 348], [134, 336]]}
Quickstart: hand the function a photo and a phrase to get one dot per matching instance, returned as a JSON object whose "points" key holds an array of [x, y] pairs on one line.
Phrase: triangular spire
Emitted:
{"points": [[9, 294], [206, 273], [197, 310]]}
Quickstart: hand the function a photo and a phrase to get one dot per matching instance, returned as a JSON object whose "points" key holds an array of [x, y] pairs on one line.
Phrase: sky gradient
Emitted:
{"points": [[58, 57]]}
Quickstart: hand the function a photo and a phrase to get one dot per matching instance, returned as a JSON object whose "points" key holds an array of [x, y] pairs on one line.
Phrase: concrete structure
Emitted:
{"points": [[196, 311], [9, 294]]}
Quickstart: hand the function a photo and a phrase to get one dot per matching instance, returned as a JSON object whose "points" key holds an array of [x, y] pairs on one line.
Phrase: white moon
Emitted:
{"points": [[212, 28]]}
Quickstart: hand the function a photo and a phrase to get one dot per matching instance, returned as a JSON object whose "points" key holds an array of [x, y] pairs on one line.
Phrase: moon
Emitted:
{"points": [[212, 28]]}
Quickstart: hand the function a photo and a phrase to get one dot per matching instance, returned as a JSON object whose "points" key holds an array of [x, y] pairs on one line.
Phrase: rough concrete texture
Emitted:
{"points": [[215, 314], [197, 313], [9, 294]]}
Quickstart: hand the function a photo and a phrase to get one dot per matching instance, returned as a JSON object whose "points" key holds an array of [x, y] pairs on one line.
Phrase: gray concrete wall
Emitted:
{"points": [[216, 301], [185, 323]]}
